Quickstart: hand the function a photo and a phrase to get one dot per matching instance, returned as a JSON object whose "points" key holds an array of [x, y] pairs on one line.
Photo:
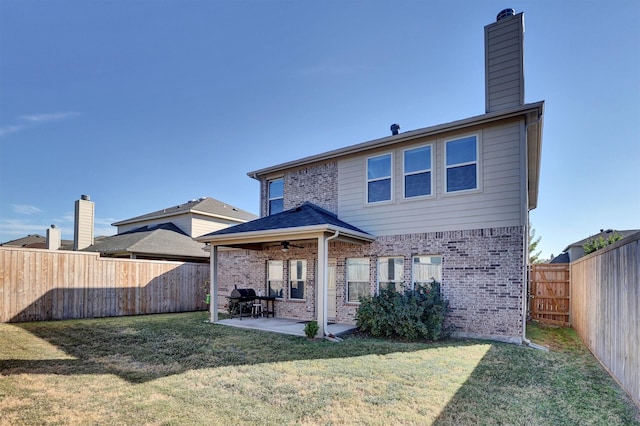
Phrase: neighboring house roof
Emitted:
{"points": [[300, 221], [160, 241], [206, 206], [533, 112], [604, 234], [561, 258], [36, 241]]}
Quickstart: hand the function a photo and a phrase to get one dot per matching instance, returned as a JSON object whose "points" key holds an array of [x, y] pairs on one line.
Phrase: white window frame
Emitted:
{"points": [[297, 280], [437, 277], [276, 279], [468, 163], [270, 199], [430, 170], [348, 280], [390, 177], [384, 262]]}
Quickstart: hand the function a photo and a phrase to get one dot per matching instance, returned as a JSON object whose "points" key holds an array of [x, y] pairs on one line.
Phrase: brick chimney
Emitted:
{"points": [[83, 223], [504, 61]]}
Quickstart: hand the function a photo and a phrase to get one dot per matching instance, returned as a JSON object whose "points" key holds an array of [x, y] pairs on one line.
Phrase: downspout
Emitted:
{"points": [[325, 286]]}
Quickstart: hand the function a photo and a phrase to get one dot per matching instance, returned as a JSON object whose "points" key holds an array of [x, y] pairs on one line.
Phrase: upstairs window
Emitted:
{"points": [[390, 273], [462, 164], [276, 196], [379, 179], [275, 278], [425, 270], [417, 172], [297, 278]]}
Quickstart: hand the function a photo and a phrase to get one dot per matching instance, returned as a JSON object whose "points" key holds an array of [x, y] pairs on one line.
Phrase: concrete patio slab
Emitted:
{"points": [[282, 325]]}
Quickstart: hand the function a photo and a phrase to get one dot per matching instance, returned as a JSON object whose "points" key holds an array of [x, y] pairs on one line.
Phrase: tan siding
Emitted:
{"points": [[497, 203], [204, 226]]}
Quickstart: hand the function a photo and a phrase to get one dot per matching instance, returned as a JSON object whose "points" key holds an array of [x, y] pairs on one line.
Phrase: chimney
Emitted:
{"points": [[53, 238], [504, 61], [83, 224]]}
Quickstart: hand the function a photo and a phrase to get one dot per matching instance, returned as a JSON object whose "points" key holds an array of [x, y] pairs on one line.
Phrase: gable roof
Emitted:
{"points": [[302, 220], [158, 241], [532, 112], [206, 206]]}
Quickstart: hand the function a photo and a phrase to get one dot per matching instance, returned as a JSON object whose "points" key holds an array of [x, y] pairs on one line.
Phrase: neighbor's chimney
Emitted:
{"points": [[53, 238], [504, 61], [83, 224]]}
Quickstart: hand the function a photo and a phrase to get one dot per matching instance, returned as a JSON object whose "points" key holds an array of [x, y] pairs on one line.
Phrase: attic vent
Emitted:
{"points": [[505, 13], [395, 128]]}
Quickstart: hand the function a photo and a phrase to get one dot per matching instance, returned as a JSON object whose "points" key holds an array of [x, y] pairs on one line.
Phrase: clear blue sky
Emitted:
{"points": [[147, 104]]}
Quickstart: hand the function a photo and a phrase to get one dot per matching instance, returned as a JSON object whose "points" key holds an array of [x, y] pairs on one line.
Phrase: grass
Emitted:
{"points": [[176, 369]]}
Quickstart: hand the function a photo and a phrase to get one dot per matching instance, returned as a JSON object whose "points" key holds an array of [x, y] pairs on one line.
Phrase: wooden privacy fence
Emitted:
{"points": [[38, 285], [605, 306], [549, 292]]}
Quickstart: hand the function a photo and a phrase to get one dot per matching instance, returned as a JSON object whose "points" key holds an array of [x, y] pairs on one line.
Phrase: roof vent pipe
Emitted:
{"points": [[505, 13], [395, 128]]}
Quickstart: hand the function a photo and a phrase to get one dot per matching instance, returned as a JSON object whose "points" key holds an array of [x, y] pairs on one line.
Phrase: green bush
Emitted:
{"points": [[311, 329], [412, 315], [599, 243]]}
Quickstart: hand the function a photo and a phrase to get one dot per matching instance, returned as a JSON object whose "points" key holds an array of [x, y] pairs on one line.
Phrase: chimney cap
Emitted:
{"points": [[85, 197], [504, 13]]}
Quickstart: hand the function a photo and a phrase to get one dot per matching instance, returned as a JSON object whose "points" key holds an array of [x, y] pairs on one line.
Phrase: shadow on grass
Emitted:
{"points": [[144, 348]]}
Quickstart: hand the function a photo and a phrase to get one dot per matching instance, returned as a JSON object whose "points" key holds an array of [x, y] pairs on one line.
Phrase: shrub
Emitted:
{"points": [[311, 329], [413, 315]]}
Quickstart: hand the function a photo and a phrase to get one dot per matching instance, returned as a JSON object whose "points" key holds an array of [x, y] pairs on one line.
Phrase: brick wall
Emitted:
{"points": [[317, 184], [482, 276]]}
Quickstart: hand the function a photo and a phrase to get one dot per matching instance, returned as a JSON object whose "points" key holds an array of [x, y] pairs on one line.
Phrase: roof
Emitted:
{"points": [[604, 233], [205, 206], [561, 258], [36, 241], [305, 219], [164, 240], [533, 113]]}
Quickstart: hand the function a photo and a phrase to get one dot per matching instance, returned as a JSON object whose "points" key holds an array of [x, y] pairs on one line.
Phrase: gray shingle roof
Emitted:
{"points": [[307, 214], [604, 234], [160, 241], [206, 205]]}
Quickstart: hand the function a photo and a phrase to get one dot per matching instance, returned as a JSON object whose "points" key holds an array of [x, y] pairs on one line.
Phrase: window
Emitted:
{"points": [[276, 196], [426, 269], [417, 172], [379, 179], [390, 273], [462, 164], [297, 278], [357, 279], [275, 278]]}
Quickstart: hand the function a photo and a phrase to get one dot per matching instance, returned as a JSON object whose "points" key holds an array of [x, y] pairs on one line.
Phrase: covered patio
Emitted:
{"points": [[306, 224]]}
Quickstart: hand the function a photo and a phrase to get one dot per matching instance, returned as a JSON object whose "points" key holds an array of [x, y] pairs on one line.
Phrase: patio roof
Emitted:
{"points": [[306, 221]]}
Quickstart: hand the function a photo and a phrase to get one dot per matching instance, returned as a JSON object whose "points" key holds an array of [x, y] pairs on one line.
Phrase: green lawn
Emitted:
{"points": [[177, 369]]}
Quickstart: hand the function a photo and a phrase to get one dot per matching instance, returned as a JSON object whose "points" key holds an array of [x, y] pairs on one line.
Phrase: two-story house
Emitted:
{"points": [[448, 203]]}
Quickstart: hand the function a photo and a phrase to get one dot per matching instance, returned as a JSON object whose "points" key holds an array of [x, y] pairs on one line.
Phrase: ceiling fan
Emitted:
{"points": [[286, 244]]}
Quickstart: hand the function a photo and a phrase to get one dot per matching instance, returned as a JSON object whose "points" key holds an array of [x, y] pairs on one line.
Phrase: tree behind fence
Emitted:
{"points": [[37, 285]]}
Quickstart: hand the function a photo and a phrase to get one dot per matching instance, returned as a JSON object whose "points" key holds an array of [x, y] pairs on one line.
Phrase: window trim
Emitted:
{"points": [[347, 281], [476, 162], [367, 180], [431, 193], [401, 282], [270, 199], [281, 280], [413, 278], [304, 281]]}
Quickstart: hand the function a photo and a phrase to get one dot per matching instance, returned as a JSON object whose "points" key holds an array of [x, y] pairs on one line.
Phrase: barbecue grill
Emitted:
{"points": [[241, 297]]}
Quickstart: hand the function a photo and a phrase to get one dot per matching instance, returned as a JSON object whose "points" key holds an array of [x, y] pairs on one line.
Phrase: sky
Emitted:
{"points": [[148, 104]]}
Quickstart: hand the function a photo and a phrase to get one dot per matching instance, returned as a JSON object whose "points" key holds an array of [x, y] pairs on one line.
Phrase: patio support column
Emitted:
{"points": [[213, 283], [321, 291]]}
